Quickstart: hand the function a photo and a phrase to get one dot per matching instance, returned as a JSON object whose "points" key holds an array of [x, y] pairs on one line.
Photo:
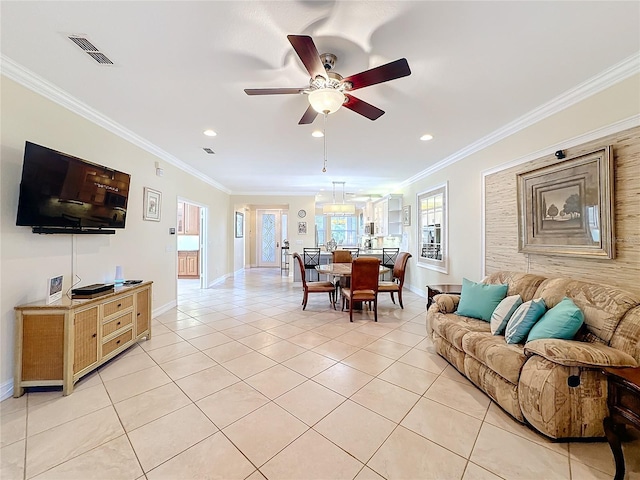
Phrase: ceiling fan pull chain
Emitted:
{"points": [[324, 131]]}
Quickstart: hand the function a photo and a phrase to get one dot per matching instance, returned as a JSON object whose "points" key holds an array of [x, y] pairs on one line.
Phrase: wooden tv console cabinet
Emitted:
{"points": [[59, 343]]}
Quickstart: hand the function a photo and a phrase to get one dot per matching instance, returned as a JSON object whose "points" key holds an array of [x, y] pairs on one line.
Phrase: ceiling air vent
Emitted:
{"points": [[90, 49], [208, 150]]}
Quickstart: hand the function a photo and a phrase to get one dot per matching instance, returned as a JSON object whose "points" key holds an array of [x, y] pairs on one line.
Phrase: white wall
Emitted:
{"points": [[145, 249]]}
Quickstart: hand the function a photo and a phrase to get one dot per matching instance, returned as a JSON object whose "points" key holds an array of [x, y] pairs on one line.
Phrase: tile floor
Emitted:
{"points": [[238, 382]]}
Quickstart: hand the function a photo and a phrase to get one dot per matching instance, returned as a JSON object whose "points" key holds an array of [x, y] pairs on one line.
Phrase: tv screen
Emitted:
{"points": [[59, 190]]}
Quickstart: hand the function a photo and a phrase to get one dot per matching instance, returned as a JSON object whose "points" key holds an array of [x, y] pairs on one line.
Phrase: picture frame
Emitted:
{"points": [[239, 225], [54, 289], [406, 215], [302, 228], [151, 205], [567, 208]]}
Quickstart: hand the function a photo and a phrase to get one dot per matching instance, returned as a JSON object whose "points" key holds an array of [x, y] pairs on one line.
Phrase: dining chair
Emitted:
{"points": [[397, 278], [355, 251], [314, 287], [341, 256], [364, 284], [311, 258], [389, 258]]}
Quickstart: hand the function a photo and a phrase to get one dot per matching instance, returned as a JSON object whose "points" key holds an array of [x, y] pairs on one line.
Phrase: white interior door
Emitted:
{"points": [[269, 227]]}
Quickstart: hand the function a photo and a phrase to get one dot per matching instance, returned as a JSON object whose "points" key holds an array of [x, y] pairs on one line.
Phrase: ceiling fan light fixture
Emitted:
{"points": [[210, 133], [326, 100], [317, 134]]}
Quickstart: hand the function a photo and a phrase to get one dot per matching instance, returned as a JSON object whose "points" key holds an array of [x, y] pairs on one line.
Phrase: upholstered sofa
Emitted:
{"points": [[554, 385]]}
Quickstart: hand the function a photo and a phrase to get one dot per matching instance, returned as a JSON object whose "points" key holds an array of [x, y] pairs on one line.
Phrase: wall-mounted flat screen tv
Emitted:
{"points": [[59, 190]]}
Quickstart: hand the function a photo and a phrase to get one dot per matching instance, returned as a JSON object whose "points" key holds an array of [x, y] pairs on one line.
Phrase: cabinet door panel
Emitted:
{"points": [[142, 311], [85, 330]]}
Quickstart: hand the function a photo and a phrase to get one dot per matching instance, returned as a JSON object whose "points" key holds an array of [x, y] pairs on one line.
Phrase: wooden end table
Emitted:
{"points": [[624, 409], [433, 290]]}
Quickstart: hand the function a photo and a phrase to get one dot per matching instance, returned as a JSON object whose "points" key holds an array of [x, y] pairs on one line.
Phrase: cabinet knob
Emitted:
{"points": [[138, 314], [119, 305], [117, 342], [94, 335], [118, 323]]}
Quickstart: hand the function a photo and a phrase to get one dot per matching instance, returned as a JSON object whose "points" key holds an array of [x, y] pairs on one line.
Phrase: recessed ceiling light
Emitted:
{"points": [[210, 133], [426, 137], [317, 134]]}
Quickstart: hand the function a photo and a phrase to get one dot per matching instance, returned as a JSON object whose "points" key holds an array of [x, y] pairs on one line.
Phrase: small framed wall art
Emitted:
{"points": [[302, 228], [406, 215], [54, 289], [152, 204], [239, 225]]}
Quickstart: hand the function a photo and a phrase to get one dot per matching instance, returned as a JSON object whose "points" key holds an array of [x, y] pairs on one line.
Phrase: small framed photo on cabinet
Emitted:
{"points": [[54, 289]]}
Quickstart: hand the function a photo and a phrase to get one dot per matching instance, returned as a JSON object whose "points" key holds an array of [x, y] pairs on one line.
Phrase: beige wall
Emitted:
{"points": [[145, 249], [619, 102]]}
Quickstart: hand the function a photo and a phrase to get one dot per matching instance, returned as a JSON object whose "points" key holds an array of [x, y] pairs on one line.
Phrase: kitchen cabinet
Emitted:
{"points": [[57, 344], [387, 216], [188, 219], [188, 264]]}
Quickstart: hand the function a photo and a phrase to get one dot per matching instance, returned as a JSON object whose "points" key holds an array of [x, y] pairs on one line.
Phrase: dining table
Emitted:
{"points": [[343, 271]]}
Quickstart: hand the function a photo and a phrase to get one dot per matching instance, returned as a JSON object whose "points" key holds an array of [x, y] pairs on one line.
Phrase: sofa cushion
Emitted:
{"points": [[504, 359], [501, 315], [627, 336], [479, 300], [523, 284], [446, 303], [453, 327], [562, 321], [523, 319], [578, 354]]}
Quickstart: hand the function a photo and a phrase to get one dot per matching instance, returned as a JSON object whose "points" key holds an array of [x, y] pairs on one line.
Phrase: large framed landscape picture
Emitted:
{"points": [[567, 208]]}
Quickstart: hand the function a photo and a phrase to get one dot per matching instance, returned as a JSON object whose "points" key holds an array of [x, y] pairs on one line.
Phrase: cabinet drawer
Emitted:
{"points": [[117, 342], [118, 305], [117, 323]]}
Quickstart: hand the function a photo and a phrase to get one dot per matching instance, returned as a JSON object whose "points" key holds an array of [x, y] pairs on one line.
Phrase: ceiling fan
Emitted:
{"points": [[328, 90]]}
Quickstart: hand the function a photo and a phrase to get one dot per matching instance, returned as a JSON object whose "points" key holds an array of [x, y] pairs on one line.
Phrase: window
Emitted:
{"points": [[321, 230], [343, 229], [432, 228]]}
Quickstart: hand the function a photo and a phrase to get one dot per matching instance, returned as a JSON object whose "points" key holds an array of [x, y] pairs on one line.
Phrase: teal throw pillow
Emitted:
{"points": [[562, 321], [479, 300], [523, 320], [503, 312]]}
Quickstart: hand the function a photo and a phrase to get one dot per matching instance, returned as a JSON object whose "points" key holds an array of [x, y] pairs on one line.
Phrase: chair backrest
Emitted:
{"points": [[341, 256], [389, 256], [400, 266], [311, 257], [297, 256], [365, 272]]}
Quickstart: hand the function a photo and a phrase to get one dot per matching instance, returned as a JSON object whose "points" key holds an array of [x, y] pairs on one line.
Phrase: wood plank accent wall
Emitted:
{"points": [[501, 220]]}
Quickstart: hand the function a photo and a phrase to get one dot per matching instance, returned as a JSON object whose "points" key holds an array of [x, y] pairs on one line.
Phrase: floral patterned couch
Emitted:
{"points": [[554, 385]]}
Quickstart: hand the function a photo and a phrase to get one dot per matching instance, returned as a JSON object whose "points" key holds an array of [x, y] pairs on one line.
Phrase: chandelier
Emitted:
{"points": [[338, 209]]}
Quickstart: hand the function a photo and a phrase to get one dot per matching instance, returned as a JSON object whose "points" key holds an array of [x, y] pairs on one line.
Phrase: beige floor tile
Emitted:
{"points": [[241, 331], [171, 352], [367, 474], [409, 377], [580, 471], [474, 472], [12, 460], [404, 338], [464, 398], [209, 341], [308, 339], [222, 323], [388, 400], [125, 364], [184, 366], [388, 348], [136, 383], [227, 351], [260, 340], [114, 459], [443, 425], [64, 442], [419, 328], [159, 329], [149, 406], [66, 408], [206, 382], [356, 429], [596, 455], [452, 373], [264, 432], [158, 441], [343, 379], [510, 456], [161, 341], [356, 339], [335, 349], [332, 330], [309, 363], [310, 401], [275, 381], [248, 364], [285, 330], [312, 457], [426, 361], [256, 476], [267, 324], [13, 405], [231, 404], [183, 324], [374, 329], [214, 457], [407, 455], [368, 362], [282, 351], [194, 332], [13, 427]]}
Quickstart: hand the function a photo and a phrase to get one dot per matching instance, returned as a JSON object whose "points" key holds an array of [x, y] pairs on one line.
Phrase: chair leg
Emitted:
{"points": [[400, 299], [304, 300], [351, 310], [392, 298], [332, 300], [375, 309]]}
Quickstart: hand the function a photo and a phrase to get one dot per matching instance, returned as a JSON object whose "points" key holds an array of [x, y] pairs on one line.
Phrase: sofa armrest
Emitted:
{"points": [[445, 303], [571, 353]]}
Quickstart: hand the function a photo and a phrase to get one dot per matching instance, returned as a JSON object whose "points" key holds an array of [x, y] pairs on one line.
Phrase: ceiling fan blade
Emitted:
{"points": [[383, 73], [363, 108], [272, 91], [309, 116], [308, 53]]}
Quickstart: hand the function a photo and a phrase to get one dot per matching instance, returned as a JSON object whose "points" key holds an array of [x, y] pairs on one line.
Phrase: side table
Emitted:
{"points": [[624, 409], [433, 290]]}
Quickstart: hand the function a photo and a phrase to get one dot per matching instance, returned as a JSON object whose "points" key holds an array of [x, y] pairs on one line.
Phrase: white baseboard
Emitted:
{"points": [[418, 291], [164, 308], [6, 390], [219, 280]]}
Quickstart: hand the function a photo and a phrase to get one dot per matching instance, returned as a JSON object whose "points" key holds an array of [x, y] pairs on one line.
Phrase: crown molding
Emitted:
{"points": [[16, 72], [275, 194], [615, 74]]}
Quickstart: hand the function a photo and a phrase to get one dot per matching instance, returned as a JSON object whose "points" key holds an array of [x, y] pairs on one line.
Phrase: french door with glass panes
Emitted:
{"points": [[269, 237]]}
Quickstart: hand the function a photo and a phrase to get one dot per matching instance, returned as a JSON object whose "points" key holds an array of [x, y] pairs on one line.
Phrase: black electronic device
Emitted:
{"points": [[132, 282], [60, 193], [91, 289]]}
